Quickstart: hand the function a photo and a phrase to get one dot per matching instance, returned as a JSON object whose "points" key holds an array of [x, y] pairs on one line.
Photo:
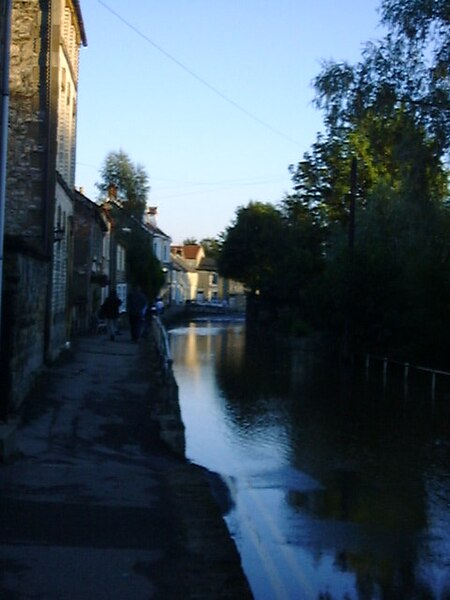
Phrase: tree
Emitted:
{"points": [[143, 268], [126, 205], [423, 26], [425, 23], [211, 246], [190, 241], [391, 112], [251, 247], [304, 260], [129, 182]]}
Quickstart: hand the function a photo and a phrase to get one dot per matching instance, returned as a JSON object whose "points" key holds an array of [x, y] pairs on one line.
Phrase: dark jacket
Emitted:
{"points": [[110, 307], [137, 304]]}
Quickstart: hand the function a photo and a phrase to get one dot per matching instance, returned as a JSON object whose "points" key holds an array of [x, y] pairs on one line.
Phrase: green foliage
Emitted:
{"points": [[142, 266], [423, 22], [251, 247], [304, 252], [126, 205], [277, 252], [211, 246], [190, 241], [321, 180], [390, 289], [129, 181], [391, 112]]}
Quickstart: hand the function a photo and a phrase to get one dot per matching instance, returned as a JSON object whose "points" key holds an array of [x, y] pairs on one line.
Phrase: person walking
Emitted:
{"points": [[110, 311], [137, 307]]}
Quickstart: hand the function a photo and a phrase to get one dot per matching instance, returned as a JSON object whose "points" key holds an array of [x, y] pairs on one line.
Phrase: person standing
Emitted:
{"points": [[110, 311], [137, 307], [159, 306]]}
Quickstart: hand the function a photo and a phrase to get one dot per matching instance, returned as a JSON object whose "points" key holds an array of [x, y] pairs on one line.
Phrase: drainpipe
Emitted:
{"points": [[52, 50], [4, 111]]}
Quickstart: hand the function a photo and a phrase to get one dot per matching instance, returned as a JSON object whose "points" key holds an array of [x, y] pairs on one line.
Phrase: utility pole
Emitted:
{"points": [[347, 338], [351, 221], [5, 43]]}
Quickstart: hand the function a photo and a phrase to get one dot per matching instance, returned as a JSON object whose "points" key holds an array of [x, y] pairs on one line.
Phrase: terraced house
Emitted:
{"points": [[46, 37]]}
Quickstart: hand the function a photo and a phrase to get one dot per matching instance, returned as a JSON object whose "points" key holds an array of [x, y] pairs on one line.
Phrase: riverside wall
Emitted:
{"points": [[200, 497]]}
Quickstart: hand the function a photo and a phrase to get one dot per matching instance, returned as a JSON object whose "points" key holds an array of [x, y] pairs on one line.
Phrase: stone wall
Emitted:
{"points": [[27, 259], [24, 307], [26, 184]]}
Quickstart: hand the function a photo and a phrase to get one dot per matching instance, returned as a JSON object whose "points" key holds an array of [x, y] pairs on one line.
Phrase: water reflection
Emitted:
{"points": [[340, 486]]}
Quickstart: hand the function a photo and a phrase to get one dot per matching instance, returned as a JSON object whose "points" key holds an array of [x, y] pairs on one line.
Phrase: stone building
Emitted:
{"points": [[90, 262], [114, 259], [46, 36], [161, 243], [196, 279]]}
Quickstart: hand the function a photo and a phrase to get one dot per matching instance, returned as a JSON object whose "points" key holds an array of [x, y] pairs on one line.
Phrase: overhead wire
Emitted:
{"points": [[201, 80], [223, 184]]}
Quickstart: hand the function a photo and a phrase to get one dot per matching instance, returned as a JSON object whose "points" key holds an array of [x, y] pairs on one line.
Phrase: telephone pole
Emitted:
{"points": [[351, 220]]}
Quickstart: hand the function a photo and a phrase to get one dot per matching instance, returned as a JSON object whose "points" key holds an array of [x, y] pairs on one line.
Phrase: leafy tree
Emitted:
{"points": [[143, 267], [211, 246], [126, 205], [423, 26], [190, 241], [128, 181], [251, 247], [277, 252], [423, 22], [391, 112]]}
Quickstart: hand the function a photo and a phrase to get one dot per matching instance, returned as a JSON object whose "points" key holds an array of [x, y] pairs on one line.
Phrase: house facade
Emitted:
{"points": [[187, 258], [38, 226], [197, 279], [113, 260], [90, 274], [184, 278], [67, 35], [161, 249]]}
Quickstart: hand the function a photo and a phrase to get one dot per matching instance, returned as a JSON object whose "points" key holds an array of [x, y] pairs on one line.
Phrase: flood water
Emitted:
{"points": [[339, 484]]}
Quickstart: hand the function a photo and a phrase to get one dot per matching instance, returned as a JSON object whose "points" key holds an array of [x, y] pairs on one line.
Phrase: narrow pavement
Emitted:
{"points": [[94, 505]]}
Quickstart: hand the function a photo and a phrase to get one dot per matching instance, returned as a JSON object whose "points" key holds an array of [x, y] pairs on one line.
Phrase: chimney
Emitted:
{"points": [[151, 215], [112, 192]]}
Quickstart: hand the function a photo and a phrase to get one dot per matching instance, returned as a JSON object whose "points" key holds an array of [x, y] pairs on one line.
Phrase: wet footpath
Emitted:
{"points": [[98, 501]]}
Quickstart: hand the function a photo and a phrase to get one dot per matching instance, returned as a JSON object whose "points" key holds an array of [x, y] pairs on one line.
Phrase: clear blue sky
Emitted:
{"points": [[145, 87]]}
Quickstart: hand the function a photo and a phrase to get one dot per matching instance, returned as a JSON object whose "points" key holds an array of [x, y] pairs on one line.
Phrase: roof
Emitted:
{"points": [[157, 231], [182, 264], [76, 5], [207, 264], [98, 212]]}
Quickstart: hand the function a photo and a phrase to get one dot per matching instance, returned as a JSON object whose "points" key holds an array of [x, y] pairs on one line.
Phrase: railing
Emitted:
{"points": [[407, 367], [161, 340]]}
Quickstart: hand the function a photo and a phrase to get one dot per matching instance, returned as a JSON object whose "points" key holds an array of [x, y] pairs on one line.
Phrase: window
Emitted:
{"points": [[66, 26], [120, 262]]}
